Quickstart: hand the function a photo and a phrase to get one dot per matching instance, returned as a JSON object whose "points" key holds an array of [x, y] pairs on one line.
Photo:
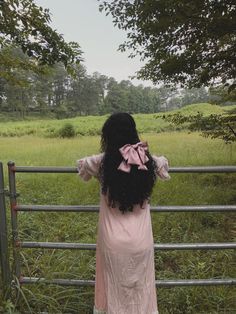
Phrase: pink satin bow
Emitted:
{"points": [[133, 155]]}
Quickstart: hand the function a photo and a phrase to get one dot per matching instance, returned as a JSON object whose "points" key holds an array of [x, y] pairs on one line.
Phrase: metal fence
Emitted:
{"points": [[7, 275]]}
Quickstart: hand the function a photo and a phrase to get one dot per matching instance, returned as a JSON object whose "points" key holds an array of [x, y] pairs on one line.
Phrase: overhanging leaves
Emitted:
{"points": [[222, 126], [24, 24], [186, 42]]}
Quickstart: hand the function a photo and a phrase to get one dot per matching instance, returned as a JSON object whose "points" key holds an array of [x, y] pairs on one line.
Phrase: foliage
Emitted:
{"points": [[13, 61], [221, 126], [8, 307], [223, 94], [67, 130], [58, 94], [186, 42], [23, 24]]}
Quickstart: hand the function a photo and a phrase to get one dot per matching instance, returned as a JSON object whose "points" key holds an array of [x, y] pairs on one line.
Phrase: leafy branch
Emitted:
{"points": [[25, 25], [222, 126]]}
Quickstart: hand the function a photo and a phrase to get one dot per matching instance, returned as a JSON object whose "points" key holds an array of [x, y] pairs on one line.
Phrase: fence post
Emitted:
{"points": [[4, 256], [13, 202]]}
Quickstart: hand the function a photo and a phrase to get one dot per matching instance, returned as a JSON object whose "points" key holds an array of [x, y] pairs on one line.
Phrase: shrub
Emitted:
{"points": [[67, 130]]}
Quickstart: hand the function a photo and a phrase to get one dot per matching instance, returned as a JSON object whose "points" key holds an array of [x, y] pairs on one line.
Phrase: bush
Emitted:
{"points": [[67, 130]]}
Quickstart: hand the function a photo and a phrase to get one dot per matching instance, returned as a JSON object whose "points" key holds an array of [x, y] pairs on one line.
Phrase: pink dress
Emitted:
{"points": [[125, 273]]}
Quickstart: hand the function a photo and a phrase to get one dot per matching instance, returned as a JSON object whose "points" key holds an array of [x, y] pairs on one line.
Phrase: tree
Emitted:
{"points": [[223, 95], [25, 25], [193, 96], [117, 98], [213, 126], [188, 42]]}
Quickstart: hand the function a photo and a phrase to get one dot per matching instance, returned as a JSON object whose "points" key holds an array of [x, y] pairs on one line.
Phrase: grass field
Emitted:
{"points": [[182, 149], [91, 125]]}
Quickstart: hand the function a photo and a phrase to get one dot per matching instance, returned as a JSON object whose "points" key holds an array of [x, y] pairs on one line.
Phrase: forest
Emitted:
{"points": [[57, 94]]}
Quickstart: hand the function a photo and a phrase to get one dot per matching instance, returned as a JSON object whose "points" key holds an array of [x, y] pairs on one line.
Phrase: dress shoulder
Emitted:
{"points": [[162, 167], [88, 167]]}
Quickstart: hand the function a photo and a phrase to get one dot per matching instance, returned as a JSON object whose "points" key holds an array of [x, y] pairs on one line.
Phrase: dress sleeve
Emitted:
{"points": [[162, 167], [88, 167]]}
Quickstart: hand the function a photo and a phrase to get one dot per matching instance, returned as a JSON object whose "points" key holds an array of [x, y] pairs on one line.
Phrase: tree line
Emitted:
{"points": [[42, 74], [54, 92]]}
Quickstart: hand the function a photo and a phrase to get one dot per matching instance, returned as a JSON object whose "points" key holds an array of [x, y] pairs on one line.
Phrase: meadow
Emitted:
{"points": [[91, 125], [182, 149]]}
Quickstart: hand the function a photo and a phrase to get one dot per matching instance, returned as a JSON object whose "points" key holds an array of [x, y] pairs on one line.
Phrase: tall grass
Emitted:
{"points": [[182, 149]]}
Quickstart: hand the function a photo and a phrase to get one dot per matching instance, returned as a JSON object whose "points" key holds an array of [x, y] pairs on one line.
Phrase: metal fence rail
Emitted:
{"points": [[95, 208], [4, 256], [17, 244], [211, 169], [159, 283], [157, 247]]}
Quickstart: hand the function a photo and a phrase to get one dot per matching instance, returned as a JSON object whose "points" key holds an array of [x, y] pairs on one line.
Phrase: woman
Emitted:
{"points": [[125, 273]]}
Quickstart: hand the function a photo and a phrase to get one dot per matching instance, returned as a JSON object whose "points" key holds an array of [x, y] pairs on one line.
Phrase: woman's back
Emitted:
{"points": [[125, 273]]}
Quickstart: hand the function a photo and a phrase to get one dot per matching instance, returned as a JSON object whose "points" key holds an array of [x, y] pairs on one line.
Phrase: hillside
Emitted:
{"points": [[91, 125]]}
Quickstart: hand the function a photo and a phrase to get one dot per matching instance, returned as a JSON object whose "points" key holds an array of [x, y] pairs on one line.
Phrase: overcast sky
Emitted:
{"points": [[81, 21]]}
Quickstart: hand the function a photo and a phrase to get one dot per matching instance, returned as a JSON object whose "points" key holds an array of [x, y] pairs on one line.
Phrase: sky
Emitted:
{"points": [[81, 21]]}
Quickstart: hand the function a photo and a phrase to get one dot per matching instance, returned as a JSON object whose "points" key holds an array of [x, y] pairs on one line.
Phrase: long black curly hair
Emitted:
{"points": [[124, 190]]}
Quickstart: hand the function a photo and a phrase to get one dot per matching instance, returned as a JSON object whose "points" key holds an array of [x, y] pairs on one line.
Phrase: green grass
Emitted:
{"points": [[91, 125], [182, 149]]}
